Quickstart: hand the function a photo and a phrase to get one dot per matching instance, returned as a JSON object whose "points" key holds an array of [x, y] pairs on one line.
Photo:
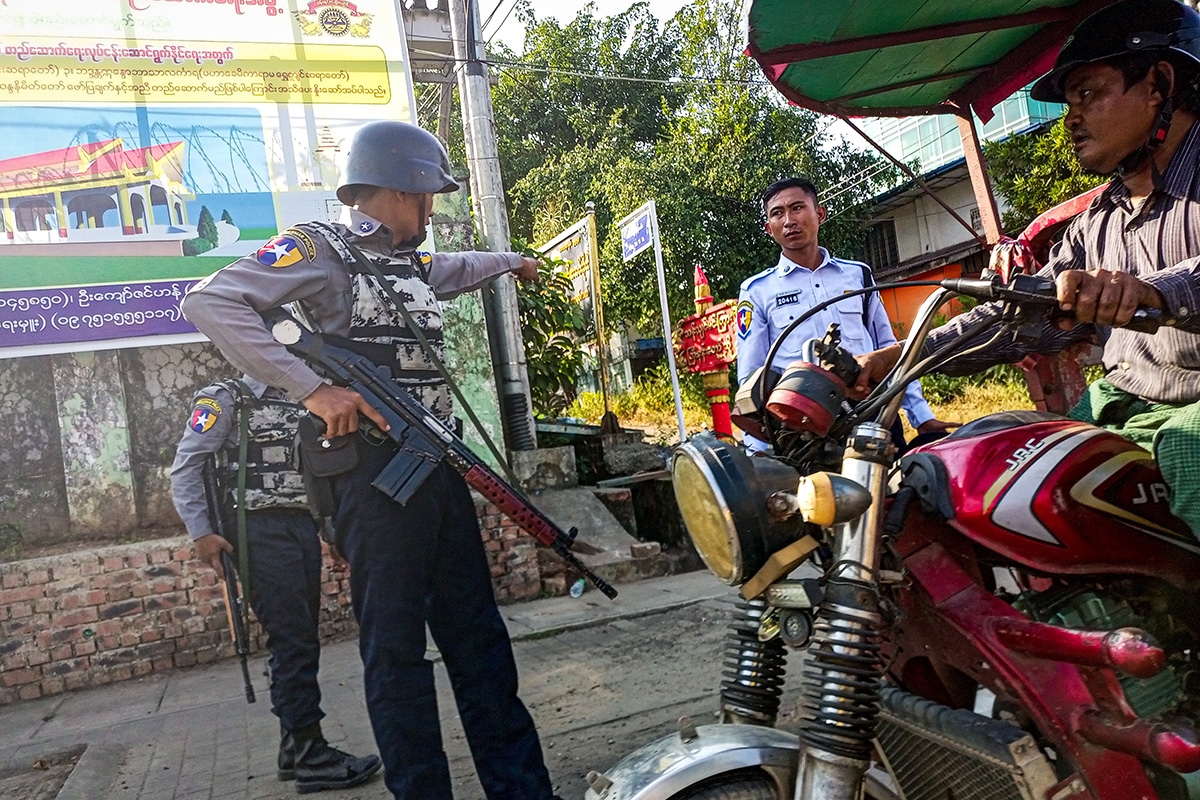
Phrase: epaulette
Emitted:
{"points": [[746, 283], [334, 237]]}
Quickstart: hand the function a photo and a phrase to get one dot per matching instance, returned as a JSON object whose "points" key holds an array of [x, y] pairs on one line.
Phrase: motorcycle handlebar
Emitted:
{"points": [[1147, 320], [1040, 291]]}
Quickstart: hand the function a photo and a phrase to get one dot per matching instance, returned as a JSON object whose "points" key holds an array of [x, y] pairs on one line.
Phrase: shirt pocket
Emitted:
{"points": [[856, 339]]}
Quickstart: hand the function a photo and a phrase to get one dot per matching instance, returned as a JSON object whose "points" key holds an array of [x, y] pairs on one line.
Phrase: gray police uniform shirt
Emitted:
{"points": [[301, 265], [212, 427], [770, 300]]}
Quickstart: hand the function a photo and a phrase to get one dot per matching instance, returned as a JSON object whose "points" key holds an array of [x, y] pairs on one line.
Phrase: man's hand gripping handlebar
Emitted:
{"points": [[423, 440], [1029, 303]]}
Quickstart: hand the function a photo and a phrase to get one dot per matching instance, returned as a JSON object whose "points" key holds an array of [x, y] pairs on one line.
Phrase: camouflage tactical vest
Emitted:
{"points": [[380, 329], [271, 477]]}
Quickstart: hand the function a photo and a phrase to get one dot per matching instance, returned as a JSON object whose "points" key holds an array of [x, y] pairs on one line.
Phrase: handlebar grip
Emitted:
{"points": [[1147, 320]]}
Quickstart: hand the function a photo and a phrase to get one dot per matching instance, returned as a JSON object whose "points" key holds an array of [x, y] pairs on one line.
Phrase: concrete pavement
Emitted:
{"points": [[189, 734]]}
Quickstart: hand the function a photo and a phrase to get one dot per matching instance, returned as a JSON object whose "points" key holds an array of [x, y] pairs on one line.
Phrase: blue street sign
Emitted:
{"points": [[635, 233]]}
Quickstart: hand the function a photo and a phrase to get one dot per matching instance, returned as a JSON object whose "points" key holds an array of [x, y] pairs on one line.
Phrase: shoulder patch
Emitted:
{"points": [[787, 298], [425, 258], [209, 403], [281, 251], [310, 249], [204, 415], [745, 316]]}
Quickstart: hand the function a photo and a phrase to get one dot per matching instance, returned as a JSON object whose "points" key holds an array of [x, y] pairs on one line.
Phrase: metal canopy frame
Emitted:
{"points": [[974, 88]]}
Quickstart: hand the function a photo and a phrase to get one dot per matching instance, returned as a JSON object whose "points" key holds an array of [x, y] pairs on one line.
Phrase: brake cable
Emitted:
{"points": [[872, 403]]}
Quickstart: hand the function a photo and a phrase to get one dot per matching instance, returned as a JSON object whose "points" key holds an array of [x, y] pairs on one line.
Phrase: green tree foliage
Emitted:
{"points": [[226, 216], [206, 238], [1036, 171], [622, 109], [206, 228], [551, 327]]}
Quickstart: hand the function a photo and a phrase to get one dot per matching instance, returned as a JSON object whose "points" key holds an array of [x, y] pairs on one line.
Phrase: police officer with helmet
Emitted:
{"points": [[419, 563], [284, 558]]}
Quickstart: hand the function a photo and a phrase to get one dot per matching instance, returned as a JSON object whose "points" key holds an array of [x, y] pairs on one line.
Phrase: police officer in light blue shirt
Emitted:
{"points": [[806, 275]]}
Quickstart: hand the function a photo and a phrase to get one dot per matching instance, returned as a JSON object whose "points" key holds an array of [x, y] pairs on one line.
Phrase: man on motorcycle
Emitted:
{"points": [[1130, 75]]}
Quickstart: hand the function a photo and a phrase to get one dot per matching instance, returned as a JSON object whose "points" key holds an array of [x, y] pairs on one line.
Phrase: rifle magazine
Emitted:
{"points": [[408, 470]]}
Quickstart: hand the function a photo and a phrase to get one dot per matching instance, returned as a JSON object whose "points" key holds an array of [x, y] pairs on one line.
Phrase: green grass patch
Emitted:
{"points": [[38, 272], [255, 235], [35, 272]]}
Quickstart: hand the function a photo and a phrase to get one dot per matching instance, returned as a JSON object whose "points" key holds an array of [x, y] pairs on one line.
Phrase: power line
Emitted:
{"points": [[674, 80], [507, 14], [489, 16]]}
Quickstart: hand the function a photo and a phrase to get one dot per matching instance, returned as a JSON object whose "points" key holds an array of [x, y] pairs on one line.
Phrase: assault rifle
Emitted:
{"points": [[235, 604], [423, 439]]}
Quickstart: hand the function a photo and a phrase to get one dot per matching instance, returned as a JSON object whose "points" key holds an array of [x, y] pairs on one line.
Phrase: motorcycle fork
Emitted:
{"points": [[842, 673]]}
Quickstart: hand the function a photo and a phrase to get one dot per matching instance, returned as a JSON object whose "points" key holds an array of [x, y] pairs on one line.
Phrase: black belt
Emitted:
{"points": [[281, 510], [383, 355]]}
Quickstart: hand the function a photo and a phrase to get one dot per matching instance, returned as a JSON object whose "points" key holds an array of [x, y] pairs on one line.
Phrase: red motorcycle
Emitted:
{"points": [[1007, 612]]}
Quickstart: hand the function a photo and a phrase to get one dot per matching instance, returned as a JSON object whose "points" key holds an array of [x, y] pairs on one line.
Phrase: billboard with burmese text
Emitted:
{"points": [[146, 143]]}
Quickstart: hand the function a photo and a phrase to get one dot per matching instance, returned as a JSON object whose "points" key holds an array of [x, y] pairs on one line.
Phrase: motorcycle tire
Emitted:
{"points": [[747, 784]]}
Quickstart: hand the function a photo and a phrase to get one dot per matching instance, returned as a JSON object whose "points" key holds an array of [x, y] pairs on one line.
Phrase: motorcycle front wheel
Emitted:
{"points": [[749, 784], [752, 784]]}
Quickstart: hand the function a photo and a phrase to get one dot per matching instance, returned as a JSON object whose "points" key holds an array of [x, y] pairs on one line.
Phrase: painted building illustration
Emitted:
{"points": [[97, 192]]}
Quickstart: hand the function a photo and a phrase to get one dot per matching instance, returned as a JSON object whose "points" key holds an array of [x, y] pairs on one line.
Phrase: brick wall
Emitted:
{"points": [[120, 612]]}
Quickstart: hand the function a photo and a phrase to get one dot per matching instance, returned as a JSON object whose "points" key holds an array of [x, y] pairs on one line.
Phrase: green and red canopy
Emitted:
{"points": [[906, 57]]}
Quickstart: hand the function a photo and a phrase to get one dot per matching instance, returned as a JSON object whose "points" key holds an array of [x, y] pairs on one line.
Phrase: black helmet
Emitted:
{"points": [[396, 155], [1129, 26]]}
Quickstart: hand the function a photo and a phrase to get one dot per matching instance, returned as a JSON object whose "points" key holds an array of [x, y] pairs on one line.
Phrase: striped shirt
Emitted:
{"points": [[1159, 242]]}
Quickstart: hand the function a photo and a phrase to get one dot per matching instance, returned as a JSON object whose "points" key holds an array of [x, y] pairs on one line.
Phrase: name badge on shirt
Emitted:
{"points": [[787, 299]]}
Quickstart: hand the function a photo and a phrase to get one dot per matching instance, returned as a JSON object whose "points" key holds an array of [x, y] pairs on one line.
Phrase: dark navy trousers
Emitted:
{"points": [[425, 563], [285, 593]]}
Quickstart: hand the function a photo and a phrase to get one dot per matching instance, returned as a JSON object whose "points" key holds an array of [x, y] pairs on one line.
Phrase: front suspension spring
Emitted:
{"points": [[842, 671], [752, 670]]}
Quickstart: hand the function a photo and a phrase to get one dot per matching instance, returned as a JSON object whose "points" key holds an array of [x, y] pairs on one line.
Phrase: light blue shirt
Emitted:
{"points": [[770, 300]]}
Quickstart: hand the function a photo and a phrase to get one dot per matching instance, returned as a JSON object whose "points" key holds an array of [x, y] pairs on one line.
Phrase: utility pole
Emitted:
{"points": [[487, 199]]}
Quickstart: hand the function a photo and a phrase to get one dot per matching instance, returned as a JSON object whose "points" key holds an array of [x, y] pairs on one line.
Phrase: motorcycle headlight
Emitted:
{"points": [[722, 495]]}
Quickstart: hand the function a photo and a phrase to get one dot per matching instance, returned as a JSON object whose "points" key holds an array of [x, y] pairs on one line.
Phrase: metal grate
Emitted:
{"points": [[935, 753]]}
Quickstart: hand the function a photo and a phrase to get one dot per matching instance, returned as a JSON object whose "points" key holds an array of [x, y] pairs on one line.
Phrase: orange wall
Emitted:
{"points": [[902, 304]]}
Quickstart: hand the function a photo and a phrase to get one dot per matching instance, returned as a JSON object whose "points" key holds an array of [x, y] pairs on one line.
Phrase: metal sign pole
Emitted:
{"points": [[666, 315], [597, 304]]}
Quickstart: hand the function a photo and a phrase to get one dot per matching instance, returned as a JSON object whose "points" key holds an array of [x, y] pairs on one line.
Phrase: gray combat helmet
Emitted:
{"points": [[396, 155]]}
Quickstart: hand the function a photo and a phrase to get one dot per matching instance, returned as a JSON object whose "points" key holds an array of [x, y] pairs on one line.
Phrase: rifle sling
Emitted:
{"points": [[365, 263], [243, 543]]}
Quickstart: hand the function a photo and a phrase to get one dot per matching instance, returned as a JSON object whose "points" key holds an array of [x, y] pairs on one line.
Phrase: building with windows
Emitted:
{"points": [[909, 232], [97, 192]]}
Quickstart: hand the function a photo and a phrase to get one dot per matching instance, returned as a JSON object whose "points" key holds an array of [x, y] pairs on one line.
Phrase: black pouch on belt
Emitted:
{"points": [[319, 459]]}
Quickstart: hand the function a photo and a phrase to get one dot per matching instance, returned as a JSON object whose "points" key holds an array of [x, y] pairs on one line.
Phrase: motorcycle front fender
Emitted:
{"points": [[662, 769]]}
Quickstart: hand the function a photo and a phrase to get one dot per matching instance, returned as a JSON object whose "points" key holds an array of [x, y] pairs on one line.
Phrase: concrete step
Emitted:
{"points": [[602, 544]]}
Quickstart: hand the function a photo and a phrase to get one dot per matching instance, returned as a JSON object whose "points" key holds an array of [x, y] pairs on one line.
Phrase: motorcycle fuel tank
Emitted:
{"points": [[1061, 496]]}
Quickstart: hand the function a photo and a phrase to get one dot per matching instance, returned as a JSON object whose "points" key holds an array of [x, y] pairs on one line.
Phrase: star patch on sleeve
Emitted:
{"points": [[745, 315], [203, 417], [281, 251], [310, 249]]}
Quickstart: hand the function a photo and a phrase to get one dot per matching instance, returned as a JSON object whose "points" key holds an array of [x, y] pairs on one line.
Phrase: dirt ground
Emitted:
{"points": [[599, 693], [41, 779]]}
